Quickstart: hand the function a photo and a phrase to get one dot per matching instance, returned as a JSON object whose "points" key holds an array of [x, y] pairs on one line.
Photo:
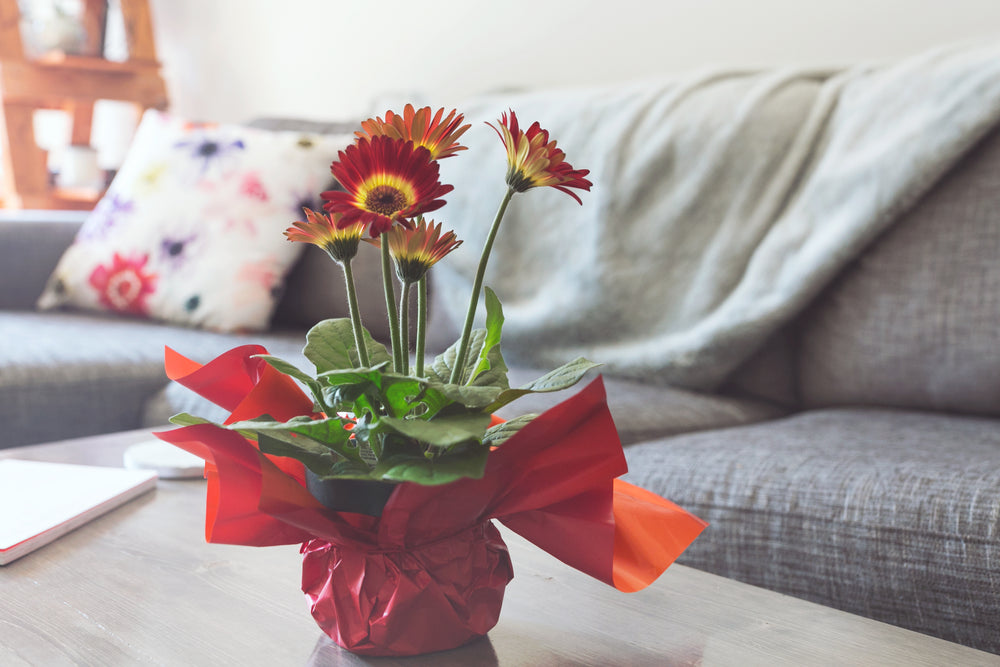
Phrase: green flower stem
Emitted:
{"points": [[404, 327], [421, 324], [477, 286], [352, 306], [390, 306]]}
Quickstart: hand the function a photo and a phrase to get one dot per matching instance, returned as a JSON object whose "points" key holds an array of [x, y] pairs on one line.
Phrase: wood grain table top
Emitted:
{"points": [[139, 585]]}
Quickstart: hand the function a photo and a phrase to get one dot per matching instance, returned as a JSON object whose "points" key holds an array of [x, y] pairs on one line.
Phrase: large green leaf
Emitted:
{"points": [[402, 393], [469, 463], [185, 419], [474, 398], [433, 400], [330, 346], [365, 389], [501, 433], [443, 364], [495, 376], [317, 457], [561, 378], [342, 376], [443, 432], [306, 435], [489, 368], [353, 390]]}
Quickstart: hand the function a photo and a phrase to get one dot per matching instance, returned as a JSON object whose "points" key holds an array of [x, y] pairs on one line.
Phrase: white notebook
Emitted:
{"points": [[40, 502]]}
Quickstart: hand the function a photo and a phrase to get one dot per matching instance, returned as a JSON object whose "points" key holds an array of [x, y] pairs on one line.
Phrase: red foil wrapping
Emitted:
{"points": [[429, 574], [411, 600]]}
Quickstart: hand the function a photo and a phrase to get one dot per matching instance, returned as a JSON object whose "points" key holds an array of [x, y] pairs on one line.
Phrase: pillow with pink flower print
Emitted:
{"points": [[191, 229]]}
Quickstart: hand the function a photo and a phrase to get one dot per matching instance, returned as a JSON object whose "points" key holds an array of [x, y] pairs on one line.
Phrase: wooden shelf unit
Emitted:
{"points": [[72, 84]]}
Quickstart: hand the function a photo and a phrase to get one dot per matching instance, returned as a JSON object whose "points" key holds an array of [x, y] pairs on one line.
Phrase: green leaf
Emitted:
{"points": [[440, 370], [357, 389], [347, 376], [470, 463], [496, 376], [330, 346], [305, 435], [348, 470], [330, 430], [402, 393], [501, 433], [563, 377], [293, 371], [434, 399], [315, 456], [185, 419], [474, 398], [485, 361], [443, 432]]}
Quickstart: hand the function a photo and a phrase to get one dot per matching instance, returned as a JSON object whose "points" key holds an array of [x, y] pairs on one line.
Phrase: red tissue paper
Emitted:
{"points": [[430, 572]]}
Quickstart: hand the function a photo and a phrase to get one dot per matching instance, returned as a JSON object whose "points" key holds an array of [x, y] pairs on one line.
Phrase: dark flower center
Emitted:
{"points": [[518, 180], [342, 249], [410, 270], [385, 200]]}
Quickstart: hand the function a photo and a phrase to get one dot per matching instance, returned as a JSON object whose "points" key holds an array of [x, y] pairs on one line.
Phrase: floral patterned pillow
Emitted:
{"points": [[190, 231]]}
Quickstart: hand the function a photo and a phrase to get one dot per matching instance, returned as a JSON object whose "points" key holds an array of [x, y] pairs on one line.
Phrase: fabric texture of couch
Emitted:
{"points": [[852, 459]]}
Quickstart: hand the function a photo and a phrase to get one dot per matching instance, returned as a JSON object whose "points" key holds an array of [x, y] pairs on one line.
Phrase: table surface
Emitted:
{"points": [[139, 585]]}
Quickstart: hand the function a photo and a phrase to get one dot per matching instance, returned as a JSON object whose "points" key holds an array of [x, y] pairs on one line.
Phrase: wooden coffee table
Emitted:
{"points": [[140, 585]]}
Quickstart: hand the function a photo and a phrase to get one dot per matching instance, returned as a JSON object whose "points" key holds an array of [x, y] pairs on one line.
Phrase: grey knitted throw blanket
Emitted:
{"points": [[723, 201]]}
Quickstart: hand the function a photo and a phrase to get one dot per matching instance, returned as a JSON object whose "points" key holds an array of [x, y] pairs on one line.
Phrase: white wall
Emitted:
{"points": [[231, 60]]}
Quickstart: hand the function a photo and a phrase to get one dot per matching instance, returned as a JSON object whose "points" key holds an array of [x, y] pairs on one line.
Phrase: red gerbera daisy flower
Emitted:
{"points": [[386, 180], [330, 232], [438, 136], [534, 161], [124, 286]]}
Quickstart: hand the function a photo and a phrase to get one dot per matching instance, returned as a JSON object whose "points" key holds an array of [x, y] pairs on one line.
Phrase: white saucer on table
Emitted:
{"points": [[168, 461]]}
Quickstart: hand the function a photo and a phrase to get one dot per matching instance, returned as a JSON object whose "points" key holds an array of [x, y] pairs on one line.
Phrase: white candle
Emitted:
{"points": [[78, 169]]}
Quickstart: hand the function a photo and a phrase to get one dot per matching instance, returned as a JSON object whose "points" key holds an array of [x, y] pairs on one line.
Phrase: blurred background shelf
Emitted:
{"points": [[72, 83]]}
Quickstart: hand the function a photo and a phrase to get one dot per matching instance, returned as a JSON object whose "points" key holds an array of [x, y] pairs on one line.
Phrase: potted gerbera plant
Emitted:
{"points": [[422, 432]]}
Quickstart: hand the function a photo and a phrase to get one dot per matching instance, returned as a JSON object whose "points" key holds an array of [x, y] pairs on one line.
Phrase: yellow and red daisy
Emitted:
{"points": [[418, 247], [438, 135], [533, 161], [339, 238], [385, 180]]}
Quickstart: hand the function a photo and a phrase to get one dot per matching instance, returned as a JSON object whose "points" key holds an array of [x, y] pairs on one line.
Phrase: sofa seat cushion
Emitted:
{"points": [[891, 514], [64, 375]]}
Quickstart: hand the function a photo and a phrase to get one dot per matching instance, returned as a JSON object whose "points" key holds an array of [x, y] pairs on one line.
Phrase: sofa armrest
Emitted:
{"points": [[31, 243]]}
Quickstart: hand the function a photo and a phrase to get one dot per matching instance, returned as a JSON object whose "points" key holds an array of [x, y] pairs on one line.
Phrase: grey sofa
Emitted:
{"points": [[879, 491], [854, 461]]}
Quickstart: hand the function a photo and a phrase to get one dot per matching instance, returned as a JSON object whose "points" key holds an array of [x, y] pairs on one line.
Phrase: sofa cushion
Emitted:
{"points": [[191, 229], [64, 375], [914, 322], [890, 514]]}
